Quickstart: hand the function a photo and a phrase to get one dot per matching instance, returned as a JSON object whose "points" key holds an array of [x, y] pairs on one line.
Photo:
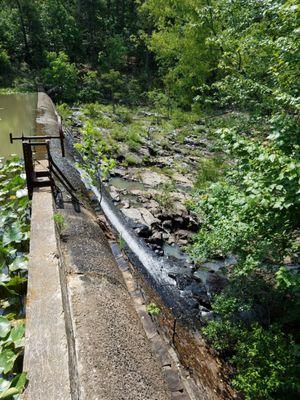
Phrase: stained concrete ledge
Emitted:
{"points": [[46, 350]]}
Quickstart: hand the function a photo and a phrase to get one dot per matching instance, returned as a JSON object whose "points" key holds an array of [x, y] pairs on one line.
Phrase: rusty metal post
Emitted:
{"points": [[61, 134], [62, 137], [29, 169]]}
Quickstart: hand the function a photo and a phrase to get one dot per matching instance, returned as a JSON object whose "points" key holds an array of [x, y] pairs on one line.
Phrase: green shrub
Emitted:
{"points": [[64, 111], [91, 89], [209, 170], [5, 65], [133, 138], [131, 159], [61, 76], [113, 56], [249, 331], [92, 110], [164, 197], [14, 248]]}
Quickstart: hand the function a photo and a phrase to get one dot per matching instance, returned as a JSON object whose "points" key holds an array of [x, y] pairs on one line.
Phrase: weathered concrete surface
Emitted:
{"points": [[46, 350], [115, 360]]}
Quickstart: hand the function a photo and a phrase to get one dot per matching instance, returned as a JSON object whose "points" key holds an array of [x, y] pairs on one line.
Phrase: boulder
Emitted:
{"points": [[143, 231], [182, 179], [114, 193], [152, 178], [156, 238], [140, 215]]}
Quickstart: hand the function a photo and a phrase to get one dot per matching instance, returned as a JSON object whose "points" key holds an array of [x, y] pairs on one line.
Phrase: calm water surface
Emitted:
{"points": [[17, 115]]}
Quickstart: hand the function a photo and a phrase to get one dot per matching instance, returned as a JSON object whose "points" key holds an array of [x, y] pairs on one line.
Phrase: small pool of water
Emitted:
{"points": [[121, 183], [17, 115]]}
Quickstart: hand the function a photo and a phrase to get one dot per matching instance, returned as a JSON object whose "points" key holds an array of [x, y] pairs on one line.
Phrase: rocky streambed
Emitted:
{"points": [[153, 188]]}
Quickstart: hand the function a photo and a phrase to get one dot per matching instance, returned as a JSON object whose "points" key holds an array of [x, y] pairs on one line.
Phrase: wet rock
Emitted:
{"points": [[192, 223], [201, 275], [154, 205], [192, 303], [216, 283], [134, 214], [199, 292], [148, 217], [171, 239], [167, 224], [141, 215], [178, 222], [125, 203], [182, 281], [119, 172], [183, 234], [156, 238], [114, 194], [165, 236], [138, 193], [205, 313], [143, 231]]}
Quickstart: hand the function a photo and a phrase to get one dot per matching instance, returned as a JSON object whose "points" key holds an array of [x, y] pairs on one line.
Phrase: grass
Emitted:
{"points": [[210, 170], [60, 222]]}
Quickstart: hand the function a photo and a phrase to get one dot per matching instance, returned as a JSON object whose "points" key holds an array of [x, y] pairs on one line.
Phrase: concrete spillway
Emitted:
{"points": [[155, 269]]}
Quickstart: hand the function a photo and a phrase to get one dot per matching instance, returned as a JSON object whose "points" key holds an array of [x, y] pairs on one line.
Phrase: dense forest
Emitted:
{"points": [[236, 64]]}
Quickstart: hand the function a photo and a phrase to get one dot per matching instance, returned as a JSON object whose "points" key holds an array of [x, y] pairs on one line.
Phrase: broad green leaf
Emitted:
{"points": [[5, 326], [19, 381], [7, 360], [8, 393], [4, 384], [12, 234], [17, 335], [19, 263]]}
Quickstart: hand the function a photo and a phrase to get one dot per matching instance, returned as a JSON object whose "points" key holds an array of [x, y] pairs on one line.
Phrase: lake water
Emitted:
{"points": [[17, 115]]}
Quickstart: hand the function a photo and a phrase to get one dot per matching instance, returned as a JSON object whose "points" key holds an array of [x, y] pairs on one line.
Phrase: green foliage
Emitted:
{"points": [[133, 138], [14, 234], [112, 83], [94, 151], [113, 55], [209, 170], [158, 99], [60, 75], [153, 309], [164, 197], [91, 87], [60, 222], [5, 65], [263, 358], [253, 213], [121, 242], [64, 111], [248, 330], [131, 159]]}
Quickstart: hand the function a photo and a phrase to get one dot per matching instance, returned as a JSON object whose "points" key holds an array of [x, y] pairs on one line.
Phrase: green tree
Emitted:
{"points": [[60, 76]]}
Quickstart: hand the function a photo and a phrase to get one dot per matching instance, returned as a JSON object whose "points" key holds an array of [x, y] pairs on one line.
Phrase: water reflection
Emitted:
{"points": [[17, 115]]}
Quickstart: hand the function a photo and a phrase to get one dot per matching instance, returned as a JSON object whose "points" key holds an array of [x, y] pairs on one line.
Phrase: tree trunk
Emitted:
{"points": [[23, 29]]}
